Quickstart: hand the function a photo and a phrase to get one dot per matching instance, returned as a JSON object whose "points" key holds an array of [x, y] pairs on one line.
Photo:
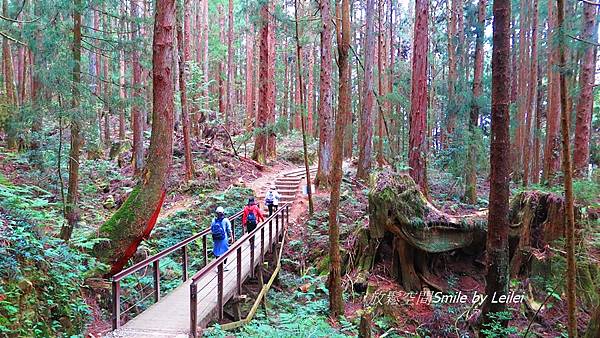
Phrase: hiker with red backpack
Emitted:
{"points": [[251, 216], [221, 234]]}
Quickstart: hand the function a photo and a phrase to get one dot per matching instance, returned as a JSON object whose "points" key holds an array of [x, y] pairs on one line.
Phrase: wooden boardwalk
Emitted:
{"points": [[170, 316]]}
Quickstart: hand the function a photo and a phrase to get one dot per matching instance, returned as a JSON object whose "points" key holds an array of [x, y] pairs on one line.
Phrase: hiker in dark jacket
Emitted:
{"points": [[251, 216]]}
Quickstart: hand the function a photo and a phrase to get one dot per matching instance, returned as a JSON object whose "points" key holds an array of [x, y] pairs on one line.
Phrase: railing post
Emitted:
{"points": [[239, 270], [184, 262], [233, 230], [287, 212], [270, 233], [262, 244], [193, 309], [156, 274], [116, 305], [205, 250], [220, 290], [277, 224], [252, 255]]}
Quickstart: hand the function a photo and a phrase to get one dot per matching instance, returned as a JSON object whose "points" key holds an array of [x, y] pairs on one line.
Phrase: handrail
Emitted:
{"points": [[154, 260], [236, 248], [237, 244], [162, 254]]}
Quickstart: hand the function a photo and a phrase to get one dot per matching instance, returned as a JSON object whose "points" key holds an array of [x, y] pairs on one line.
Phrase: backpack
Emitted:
{"points": [[251, 218], [218, 233], [269, 198]]}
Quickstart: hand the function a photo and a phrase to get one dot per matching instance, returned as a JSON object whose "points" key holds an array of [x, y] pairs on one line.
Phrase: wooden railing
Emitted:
{"points": [[279, 217], [154, 260]]}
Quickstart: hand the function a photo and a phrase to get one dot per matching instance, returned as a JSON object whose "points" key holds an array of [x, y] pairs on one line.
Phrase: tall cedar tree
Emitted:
{"points": [[417, 152], [365, 136], [136, 218], [497, 234], [568, 175], [229, 89], [471, 174], [552, 146], [531, 96], [136, 114], [71, 210], [249, 75], [300, 107], [336, 303], [262, 118], [325, 114], [183, 44], [9, 82], [583, 120]]}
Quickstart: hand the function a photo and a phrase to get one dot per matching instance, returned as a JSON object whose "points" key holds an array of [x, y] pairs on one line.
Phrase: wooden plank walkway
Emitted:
{"points": [[170, 316]]}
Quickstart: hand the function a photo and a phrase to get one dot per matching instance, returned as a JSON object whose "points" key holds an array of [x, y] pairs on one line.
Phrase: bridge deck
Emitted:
{"points": [[170, 317]]}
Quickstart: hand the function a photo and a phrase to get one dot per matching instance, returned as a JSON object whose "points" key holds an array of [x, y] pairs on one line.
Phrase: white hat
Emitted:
{"points": [[220, 210]]}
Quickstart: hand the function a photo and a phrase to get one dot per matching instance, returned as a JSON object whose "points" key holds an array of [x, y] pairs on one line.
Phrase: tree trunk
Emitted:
{"points": [[552, 146], [531, 99], [417, 152], [261, 134], [135, 219], [183, 44], [471, 175], [535, 170], [71, 208], [9, 85], [229, 103], [301, 109], [583, 119], [568, 179], [452, 70], [325, 115], [522, 80], [498, 224], [136, 114], [205, 53], [336, 304], [365, 137], [381, 65], [249, 76], [310, 91], [271, 139]]}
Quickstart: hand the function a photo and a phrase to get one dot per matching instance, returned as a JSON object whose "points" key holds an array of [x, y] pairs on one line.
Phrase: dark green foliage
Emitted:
{"points": [[40, 283]]}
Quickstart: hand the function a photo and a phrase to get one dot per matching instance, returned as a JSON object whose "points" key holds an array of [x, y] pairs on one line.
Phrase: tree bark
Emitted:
{"points": [[498, 224], [135, 219], [531, 96], [471, 175], [365, 136], [552, 145], [249, 76], [183, 44], [568, 176], [452, 70], [323, 178], [230, 52], [71, 208], [310, 91], [9, 85], [262, 119], [417, 152], [301, 108], [336, 304], [136, 114], [585, 105]]}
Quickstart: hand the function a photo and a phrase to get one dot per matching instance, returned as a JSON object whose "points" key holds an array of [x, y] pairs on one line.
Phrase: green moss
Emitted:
{"points": [[124, 215]]}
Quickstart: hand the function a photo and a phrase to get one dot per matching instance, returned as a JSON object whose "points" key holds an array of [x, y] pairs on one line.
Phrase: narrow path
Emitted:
{"points": [[170, 317]]}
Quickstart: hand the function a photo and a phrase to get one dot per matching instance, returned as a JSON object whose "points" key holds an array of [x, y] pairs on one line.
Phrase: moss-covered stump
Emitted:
{"points": [[536, 219], [413, 230], [401, 217]]}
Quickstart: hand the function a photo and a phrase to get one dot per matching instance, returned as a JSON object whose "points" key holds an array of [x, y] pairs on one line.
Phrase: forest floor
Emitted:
{"points": [[104, 186]]}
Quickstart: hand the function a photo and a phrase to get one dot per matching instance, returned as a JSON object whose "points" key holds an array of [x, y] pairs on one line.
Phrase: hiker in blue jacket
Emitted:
{"points": [[221, 234]]}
